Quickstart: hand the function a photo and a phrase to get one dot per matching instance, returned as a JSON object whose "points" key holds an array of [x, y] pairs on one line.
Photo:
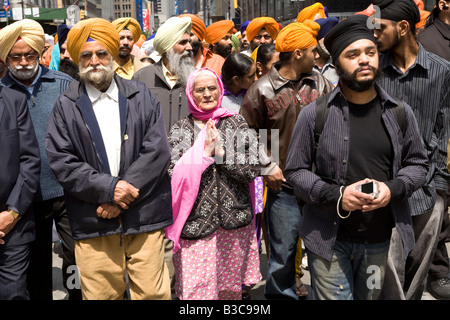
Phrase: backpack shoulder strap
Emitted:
{"points": [[322, 111]]}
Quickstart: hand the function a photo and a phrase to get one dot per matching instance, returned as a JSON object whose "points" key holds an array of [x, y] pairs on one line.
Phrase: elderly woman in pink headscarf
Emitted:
{"points": [[214, 158]]}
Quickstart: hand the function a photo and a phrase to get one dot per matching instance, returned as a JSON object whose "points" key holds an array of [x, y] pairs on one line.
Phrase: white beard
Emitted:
{"points": [[29, 72], [98, 79], [181, 65]]}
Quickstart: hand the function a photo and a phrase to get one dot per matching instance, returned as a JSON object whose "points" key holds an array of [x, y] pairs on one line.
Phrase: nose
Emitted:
{"points": [[363, 59], [316, 55], [23, 61], [67, 54], [189, 46], [95, 61]]}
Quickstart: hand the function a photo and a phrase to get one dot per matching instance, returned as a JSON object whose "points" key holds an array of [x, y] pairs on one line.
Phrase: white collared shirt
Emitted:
{"points": [[106, 109]]}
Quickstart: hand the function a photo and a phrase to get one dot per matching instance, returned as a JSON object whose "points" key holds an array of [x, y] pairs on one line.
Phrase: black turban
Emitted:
{"points": [[62, 31], [398, 10], [343, 34]]}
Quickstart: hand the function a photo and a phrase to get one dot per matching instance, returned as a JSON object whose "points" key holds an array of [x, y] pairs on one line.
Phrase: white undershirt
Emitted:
{"points": [[106, 109]]}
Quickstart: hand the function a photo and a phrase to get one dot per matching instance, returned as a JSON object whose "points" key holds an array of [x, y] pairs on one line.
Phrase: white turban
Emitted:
{"points": [[170, 32]]}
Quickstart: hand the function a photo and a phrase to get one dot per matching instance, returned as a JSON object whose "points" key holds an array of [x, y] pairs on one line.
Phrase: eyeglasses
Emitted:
{"points": [[101, 54], [202, 90], [29, 57]]}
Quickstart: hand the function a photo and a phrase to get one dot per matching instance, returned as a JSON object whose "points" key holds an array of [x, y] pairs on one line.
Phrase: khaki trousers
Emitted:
{"points": [[103, 263]]}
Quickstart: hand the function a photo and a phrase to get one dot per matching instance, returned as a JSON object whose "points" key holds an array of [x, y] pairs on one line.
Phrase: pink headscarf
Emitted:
{"points": [[187, 172], [198, 113]]}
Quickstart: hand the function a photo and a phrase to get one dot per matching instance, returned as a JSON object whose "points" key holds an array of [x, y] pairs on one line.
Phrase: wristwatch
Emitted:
{"points": [[14, 214]]}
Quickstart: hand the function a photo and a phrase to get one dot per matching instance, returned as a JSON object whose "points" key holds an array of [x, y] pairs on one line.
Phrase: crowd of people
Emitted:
{"points": [[199, 144]]}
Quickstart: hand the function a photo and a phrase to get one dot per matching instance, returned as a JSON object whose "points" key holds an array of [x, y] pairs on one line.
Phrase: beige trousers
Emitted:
{"points": [[104, 262]]}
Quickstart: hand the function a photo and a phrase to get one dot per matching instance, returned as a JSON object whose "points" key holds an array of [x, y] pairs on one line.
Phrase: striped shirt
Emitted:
{"points": [[425, 86], [320, 222]]}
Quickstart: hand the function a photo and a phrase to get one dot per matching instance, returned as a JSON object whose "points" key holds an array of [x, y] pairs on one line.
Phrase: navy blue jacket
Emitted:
{"points": [[320, 221], [77, 156], [19, 164]]}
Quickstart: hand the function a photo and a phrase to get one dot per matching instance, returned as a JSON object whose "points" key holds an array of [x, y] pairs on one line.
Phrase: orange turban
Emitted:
{"points": [[268, 23], [297, 35], [198, 26], [368, 12], [97, 29], [129, 23], [423, 19], [311, 12], [420, 4], [216, 31]]}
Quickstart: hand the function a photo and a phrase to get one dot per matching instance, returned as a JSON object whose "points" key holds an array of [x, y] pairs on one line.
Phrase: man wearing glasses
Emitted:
{"points": [[107, 145], [20, 46]]}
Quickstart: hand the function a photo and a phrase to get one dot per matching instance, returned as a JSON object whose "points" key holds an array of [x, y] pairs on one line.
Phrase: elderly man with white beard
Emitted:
{"points": [[167, 79], [107, 146], [20, 47]]}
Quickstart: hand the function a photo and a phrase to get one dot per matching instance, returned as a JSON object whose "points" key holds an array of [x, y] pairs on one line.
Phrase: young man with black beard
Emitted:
{"points": [[218, 36], [421, 79], [346, 231]]}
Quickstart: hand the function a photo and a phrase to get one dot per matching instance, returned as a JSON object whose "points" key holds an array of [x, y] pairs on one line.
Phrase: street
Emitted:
{"points": [[256, 291]]}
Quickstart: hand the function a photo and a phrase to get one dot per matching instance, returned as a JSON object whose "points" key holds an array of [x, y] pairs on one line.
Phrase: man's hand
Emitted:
{"points": [[2, 234], [108, 211], [275, 179], [125, 194], [383, 199], [353, 199], [7, 222]]}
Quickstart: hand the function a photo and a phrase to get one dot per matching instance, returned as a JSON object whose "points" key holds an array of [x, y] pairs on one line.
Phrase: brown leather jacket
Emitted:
{"points": [[273, 102]]}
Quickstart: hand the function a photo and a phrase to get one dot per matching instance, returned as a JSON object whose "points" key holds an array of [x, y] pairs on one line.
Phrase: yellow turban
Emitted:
{"points": [[311, 12], [170, 32], [268, 23], [297, 35], [130, 24], [217, 30], [198, 26], [97, 29], [28, 30]]}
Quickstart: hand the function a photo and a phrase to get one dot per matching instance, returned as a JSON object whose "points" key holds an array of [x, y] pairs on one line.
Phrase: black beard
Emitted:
{"points": [[394, 45], [69, 67], [124, 53], [195, 46], [349, 80], [224, 51]]}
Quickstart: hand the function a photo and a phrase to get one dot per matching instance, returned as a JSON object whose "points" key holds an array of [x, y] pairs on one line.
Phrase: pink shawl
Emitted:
{"points": [[187, 172]]}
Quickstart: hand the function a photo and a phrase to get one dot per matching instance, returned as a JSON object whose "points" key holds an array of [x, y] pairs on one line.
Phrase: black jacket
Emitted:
{"points": [[19, 164], [436, 39], [173, 101], [78, 158]]}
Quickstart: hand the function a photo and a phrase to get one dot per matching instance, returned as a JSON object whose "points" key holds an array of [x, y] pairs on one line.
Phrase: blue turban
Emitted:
{"points": [[243, 26], [325, 25]]}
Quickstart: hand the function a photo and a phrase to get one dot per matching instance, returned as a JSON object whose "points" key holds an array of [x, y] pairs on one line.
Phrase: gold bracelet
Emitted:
{"points": [[14, 214]]}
